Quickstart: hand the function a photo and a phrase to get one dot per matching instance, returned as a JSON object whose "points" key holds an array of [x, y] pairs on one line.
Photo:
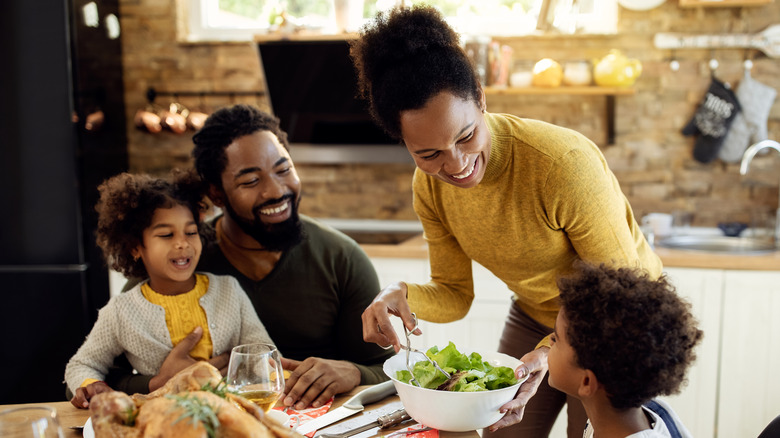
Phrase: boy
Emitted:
{"points": [[621, 339]]}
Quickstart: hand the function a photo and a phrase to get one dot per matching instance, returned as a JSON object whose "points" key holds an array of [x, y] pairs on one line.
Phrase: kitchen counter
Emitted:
{"points": [[417, 248]]}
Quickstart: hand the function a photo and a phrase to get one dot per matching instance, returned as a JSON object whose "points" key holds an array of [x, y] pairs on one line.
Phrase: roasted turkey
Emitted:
{"points": [[190, 405]]}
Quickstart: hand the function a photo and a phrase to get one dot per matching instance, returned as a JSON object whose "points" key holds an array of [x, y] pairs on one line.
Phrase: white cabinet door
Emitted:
{"points": [[390, 270], [696, 404], [750, 355]]}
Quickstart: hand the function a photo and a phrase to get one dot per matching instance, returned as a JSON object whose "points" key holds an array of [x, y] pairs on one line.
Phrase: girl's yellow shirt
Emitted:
{"points": [[183, 313]]}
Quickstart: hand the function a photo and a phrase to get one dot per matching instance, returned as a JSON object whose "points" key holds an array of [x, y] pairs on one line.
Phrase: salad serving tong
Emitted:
{"points": [[409, 350]]}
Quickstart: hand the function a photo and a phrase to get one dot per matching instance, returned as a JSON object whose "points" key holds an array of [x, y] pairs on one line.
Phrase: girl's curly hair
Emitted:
{"points": [[405, 57], [635, 333], [127, 204]]}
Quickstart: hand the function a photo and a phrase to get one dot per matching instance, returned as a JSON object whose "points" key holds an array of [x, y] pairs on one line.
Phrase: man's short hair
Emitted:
{"points": [[221, 129]]}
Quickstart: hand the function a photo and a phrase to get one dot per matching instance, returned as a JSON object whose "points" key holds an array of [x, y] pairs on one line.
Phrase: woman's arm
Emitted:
{"points": [[448, 295]]}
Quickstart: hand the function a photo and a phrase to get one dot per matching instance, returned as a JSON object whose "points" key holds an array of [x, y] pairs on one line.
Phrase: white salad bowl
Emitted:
{"points": [[452, 411]]}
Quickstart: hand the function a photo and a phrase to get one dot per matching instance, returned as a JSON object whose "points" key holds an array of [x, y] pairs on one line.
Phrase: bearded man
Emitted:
{"points": [[308, 283]]}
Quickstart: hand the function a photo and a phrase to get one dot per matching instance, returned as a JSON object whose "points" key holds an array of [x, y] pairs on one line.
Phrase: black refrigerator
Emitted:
{"points": [[61, 67]]}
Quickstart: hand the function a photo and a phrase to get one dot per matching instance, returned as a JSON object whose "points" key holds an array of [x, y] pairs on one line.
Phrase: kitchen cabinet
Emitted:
{"points": [[696, 404], [733, 387], [749, 385], [608, 92], [722, 3]]}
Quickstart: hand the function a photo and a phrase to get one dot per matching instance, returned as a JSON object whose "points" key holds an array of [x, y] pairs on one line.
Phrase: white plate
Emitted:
{"points": [[640, 5], [88, 432]]}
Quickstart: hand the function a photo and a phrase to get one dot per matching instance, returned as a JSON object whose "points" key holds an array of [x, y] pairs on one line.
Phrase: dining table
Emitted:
{"points": [[69, 416]]}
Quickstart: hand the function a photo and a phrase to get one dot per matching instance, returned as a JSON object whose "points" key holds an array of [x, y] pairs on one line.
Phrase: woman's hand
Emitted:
{"points": [[535, 364], [376, 320], [85, 393]]}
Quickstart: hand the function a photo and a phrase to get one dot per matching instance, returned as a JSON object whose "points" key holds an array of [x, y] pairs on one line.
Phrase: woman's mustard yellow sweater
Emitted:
{"points": [[547, 198]]}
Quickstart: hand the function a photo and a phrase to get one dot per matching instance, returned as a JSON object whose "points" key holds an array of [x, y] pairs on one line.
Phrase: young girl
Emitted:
{"points": [[151, 228]]}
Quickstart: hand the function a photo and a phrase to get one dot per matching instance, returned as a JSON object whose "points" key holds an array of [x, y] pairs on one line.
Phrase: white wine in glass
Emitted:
{"points": [[255, 373]]}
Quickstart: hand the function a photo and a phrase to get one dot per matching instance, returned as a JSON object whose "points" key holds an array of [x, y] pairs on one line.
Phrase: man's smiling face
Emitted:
{"points": [[261, 190]]}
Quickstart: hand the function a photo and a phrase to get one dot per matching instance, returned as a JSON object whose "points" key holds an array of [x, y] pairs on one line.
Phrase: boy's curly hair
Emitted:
{"points": [[635, 333], [127, 204], [405, 57], [221, 129]]}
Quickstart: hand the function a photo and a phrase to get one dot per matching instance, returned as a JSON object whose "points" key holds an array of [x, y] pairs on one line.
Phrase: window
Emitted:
{"points": [[240, 20]]}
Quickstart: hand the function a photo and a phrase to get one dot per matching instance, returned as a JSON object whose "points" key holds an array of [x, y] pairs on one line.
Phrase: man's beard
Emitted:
{"points": [[272, 237]]}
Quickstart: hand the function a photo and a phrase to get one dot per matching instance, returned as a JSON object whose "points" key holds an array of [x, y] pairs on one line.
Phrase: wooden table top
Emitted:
{"points": [[69, 415]]}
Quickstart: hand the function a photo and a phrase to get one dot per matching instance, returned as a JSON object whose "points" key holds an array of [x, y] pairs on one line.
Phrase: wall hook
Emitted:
{"points": [[713, 64], [674, 64], [151, 94]]}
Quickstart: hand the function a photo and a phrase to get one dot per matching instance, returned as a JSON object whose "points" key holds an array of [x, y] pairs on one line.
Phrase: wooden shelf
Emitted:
{"points": [[722, 3], [562, 90], [304, 36], [608, 92]]}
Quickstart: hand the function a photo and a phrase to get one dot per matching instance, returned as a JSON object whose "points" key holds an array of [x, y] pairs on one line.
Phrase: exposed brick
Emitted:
{"points": [[650, 157]]}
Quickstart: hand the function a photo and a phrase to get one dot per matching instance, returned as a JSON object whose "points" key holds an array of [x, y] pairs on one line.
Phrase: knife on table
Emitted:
{"points": [[350, 407], [383, 422]]}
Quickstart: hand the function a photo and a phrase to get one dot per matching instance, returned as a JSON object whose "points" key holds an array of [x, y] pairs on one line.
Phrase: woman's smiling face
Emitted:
{"points": [[448, 139]]}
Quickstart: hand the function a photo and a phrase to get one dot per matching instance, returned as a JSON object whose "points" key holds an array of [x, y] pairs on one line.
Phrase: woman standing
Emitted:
{"points": [[523, 198]]}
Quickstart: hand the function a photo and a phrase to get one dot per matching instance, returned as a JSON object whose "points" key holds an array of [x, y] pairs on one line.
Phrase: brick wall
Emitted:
{"points": [[650, 157]]}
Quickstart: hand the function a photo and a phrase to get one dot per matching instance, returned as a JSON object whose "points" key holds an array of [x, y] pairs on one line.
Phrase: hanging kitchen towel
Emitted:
{"points": [[749, 125], [712, 120]]}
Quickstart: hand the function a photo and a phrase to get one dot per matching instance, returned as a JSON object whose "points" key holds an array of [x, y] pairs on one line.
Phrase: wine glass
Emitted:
{"points": [[30, 422], [255, 373]]}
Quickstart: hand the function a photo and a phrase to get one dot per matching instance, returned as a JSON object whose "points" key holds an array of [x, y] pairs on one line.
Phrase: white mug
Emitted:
{"points": [[660, 223]]}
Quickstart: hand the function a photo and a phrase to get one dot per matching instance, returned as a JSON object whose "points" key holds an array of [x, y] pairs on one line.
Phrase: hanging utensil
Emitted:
{"points": [[767, 41]]}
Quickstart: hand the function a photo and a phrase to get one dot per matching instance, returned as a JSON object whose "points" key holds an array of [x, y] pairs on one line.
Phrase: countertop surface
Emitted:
{"points": [[416, 247]]}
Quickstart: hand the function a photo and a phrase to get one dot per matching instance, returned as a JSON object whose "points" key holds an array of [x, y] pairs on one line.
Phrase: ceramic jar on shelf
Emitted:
{"points": [[616, 70], [577, 73]]}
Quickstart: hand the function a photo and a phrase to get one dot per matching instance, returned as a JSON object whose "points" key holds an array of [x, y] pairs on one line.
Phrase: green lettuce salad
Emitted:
{"points": [[469, 373]]}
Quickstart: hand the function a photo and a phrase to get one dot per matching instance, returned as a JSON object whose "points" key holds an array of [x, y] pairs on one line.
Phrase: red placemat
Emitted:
{"points": [[416, 432], [306, 415]]}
